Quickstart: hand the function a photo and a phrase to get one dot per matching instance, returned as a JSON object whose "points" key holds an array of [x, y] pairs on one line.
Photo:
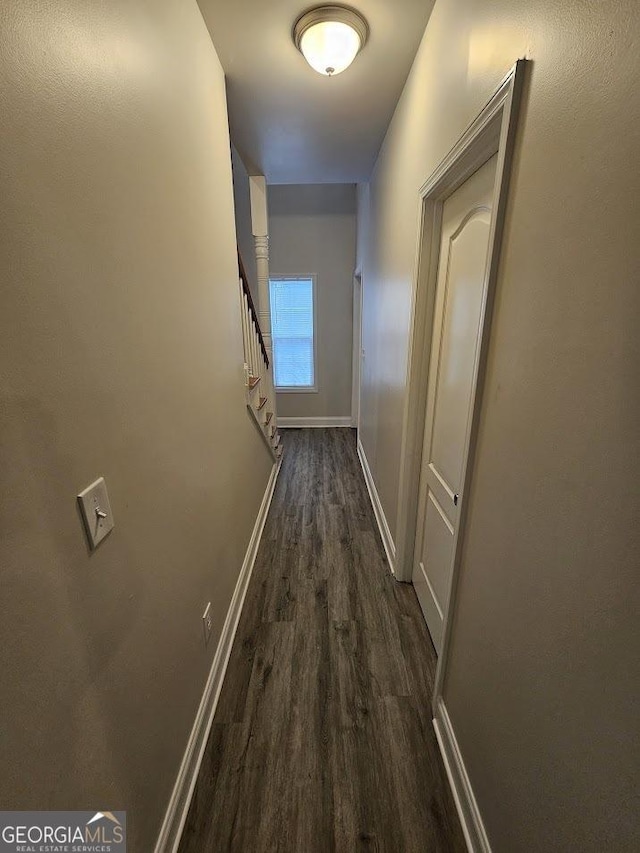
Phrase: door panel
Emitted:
{"points": [[436, 550], [467, 252], [457, 326], [429, 604]]}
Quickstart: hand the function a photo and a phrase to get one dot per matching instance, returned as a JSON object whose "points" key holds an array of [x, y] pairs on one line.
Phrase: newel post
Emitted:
{"points": [[260, 229]]}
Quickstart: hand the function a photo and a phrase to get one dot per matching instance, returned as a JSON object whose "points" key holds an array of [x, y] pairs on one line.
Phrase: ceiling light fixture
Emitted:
{"points": [[330, 37]]}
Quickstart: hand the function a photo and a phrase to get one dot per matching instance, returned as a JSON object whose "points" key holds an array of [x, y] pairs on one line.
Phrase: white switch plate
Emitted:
{"points": [[207, 623], [96, 511]]}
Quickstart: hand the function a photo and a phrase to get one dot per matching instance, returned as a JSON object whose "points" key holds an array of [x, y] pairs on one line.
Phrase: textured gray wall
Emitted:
{"points": [[120, 355], [542, 686]]}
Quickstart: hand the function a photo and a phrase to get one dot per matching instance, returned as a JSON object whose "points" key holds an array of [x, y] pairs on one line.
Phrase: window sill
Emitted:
{"points": [[296, 390]]}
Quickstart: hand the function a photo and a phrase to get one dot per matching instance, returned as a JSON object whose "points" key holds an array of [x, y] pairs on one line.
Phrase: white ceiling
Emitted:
{"points": [[292, 124]]}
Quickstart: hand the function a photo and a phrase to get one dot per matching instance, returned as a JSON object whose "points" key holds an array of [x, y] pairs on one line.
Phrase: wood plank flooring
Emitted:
{"points": [[322, 740]]}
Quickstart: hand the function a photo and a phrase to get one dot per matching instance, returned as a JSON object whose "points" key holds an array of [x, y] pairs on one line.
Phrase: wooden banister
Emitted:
{"points": [[252, 308]]}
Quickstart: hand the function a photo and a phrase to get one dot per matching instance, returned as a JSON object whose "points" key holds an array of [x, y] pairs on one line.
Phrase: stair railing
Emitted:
{"points": [[257, 372]]}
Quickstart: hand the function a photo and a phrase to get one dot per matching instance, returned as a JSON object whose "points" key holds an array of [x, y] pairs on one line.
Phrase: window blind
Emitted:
{"points": [[292, 332]]}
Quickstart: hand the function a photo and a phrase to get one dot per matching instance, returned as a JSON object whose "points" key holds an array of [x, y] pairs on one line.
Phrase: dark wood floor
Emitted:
{"points": [[322, 739]]}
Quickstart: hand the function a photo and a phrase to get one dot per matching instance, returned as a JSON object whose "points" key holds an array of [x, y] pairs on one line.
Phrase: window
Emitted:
{"points": [[292, 332]]}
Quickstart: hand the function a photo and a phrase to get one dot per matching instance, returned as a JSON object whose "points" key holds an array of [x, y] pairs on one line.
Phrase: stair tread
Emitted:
{"points": [[253, 381], [268, 419], [261, 404]]}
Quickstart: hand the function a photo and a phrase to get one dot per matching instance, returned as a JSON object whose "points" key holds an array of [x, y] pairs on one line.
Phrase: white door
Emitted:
{"points": [[357, 351], [460, 294]]}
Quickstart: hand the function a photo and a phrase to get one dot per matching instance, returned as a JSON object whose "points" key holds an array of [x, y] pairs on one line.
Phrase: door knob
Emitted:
{"points": [[455, 500]]}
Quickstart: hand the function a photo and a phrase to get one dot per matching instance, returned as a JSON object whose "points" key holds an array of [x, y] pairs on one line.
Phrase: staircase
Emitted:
{"points": [[258, 377]]}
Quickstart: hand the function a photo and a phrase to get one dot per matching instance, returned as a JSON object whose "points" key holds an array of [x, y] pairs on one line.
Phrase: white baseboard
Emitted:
{"points": [[312, 423], [176, 814], [468, 811], [385, 533]]}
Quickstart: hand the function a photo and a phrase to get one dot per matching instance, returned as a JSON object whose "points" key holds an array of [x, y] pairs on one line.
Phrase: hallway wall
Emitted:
{"points": [[312, 230], [119, 340], [544, 659]]}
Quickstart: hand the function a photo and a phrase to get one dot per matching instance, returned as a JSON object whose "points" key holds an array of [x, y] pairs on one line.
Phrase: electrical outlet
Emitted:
{"points": [[207, 623]]}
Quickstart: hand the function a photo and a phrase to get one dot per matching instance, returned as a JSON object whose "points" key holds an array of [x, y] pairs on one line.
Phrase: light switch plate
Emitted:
{"points": [[96, 511]]}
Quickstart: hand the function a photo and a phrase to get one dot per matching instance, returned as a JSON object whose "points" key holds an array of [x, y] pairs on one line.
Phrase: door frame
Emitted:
{"points": [[356, 357], [492, 132]]}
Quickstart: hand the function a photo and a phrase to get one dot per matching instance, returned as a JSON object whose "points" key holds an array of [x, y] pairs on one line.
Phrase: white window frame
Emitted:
{"points": [[298, 389]]}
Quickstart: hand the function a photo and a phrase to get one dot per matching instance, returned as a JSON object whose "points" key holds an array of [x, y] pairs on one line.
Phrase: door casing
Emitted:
{"points": [[492, 132]]}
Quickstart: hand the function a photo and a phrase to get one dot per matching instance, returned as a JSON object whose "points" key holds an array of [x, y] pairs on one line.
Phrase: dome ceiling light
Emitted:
{"points": [[330, 37]]}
